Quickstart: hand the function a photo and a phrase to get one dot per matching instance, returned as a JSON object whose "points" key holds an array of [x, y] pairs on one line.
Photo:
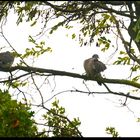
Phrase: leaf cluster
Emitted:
{"points": [[112, 131], [59, 124], [16, 118]]}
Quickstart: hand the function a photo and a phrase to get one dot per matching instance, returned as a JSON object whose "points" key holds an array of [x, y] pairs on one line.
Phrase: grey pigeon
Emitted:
{"points": [[94, 67], [6, 59]]}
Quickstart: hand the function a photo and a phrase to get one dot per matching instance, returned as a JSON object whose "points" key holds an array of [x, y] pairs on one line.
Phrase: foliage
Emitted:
{"points": [[58, 124], [96, 20], [112, 131], [16, 118], [37, 50], [94, 24]]}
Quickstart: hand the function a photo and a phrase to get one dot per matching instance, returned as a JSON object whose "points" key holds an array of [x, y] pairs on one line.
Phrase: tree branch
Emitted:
{"points": [[91, 7], [74, 75], [131, 55], [95, 92]]}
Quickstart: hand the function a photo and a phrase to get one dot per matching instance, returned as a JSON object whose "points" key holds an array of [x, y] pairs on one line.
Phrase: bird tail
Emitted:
{"points": [[99, 83], [98, 78]]}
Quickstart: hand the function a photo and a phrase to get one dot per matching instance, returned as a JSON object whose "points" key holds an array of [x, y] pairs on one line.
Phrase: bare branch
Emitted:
{"points": [[94, 92], [42, 99]]}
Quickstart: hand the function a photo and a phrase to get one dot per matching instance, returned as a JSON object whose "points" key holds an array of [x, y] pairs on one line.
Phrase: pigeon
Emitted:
{"points": [[6, 59], [94, 67]]}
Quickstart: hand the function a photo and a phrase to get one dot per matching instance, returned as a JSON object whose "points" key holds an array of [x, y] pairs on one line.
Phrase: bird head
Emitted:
{"points": [[95, 56]]}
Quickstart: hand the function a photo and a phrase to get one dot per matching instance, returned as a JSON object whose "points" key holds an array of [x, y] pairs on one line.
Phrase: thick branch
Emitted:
{"points": [[91, 7], [74, 75]]}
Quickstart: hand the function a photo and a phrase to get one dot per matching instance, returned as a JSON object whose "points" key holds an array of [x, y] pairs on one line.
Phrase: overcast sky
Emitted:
{"points": [[96, 112]]}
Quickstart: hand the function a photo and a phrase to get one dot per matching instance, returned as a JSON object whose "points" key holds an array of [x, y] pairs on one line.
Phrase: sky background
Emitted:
{"points": [[96, 112]]}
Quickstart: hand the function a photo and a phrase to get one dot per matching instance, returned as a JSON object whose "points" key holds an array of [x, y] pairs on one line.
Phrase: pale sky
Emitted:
{"points": [[96, 112]]}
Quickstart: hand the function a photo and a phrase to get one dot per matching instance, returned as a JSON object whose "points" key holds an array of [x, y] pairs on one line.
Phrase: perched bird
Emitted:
{"points": [[94, 67], [6, 59]]}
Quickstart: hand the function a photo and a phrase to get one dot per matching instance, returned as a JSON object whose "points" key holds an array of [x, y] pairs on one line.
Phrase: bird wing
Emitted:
{"points": [[98, 66]]}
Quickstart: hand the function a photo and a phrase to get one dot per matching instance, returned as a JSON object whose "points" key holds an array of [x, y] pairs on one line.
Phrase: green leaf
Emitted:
{"points": [[31, 39], [33, 23], [135, 79], [122, 52], [73, 36]]}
